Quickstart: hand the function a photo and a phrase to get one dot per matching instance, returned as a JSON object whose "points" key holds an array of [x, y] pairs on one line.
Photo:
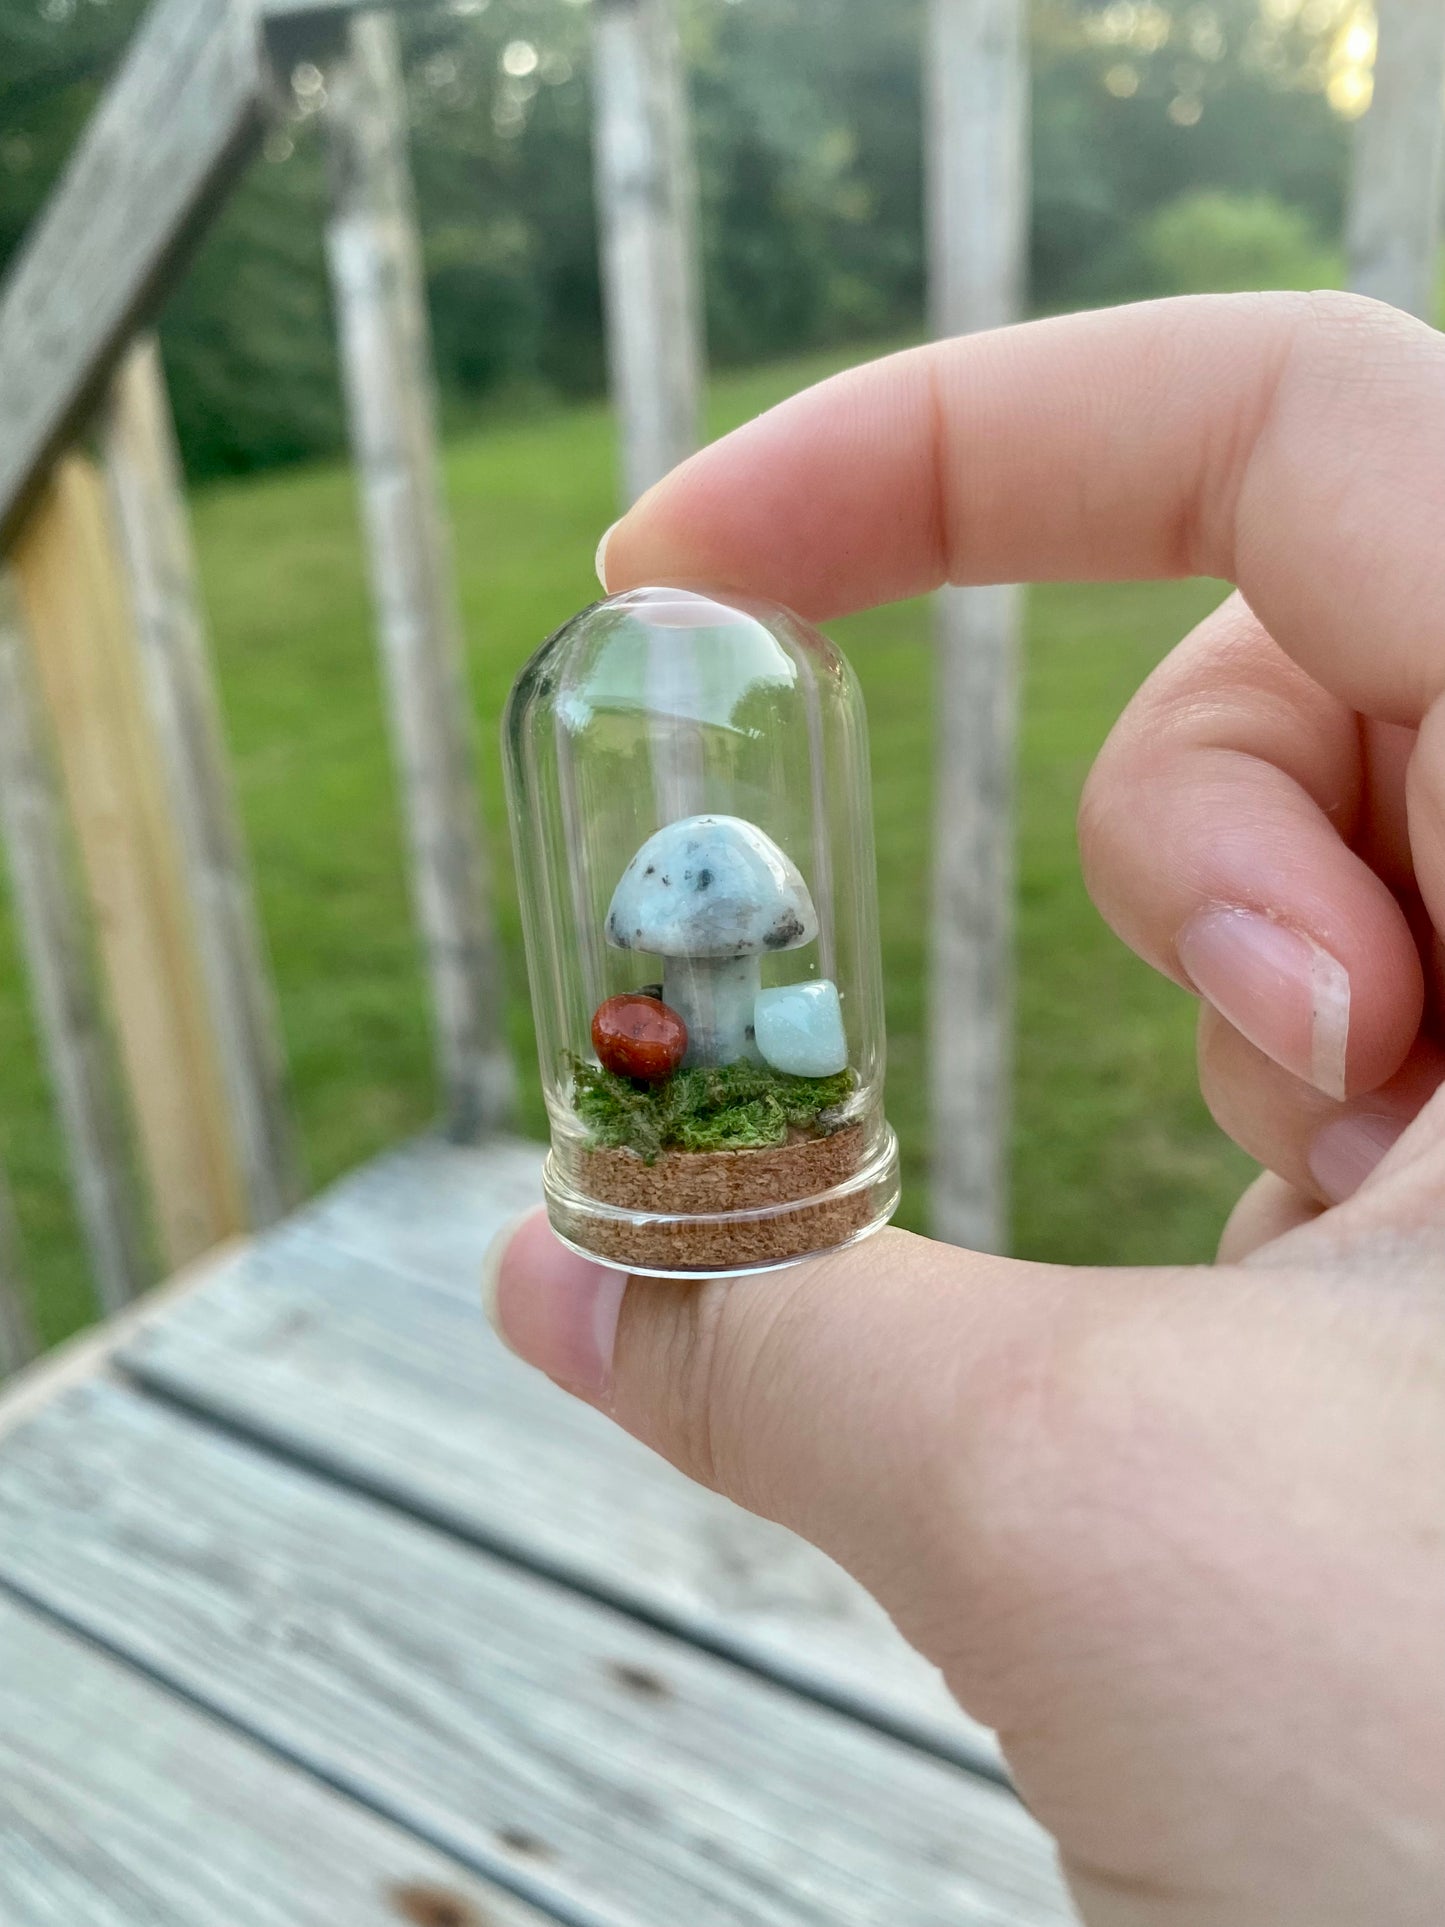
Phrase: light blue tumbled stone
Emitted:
{"points": [[799, 1028]]}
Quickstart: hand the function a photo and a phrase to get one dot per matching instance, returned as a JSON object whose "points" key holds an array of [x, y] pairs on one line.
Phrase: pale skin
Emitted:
{"points": [[1179, 1534]]}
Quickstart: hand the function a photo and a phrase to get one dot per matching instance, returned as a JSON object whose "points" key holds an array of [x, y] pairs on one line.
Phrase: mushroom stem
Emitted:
{"points": [[714, 997]]}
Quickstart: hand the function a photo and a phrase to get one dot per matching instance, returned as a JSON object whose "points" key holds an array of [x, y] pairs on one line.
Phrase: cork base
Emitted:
{"points": [[701, 1211]]}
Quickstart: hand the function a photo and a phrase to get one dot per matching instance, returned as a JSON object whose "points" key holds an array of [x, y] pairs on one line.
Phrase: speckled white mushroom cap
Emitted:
{"points": [[711, 886]]}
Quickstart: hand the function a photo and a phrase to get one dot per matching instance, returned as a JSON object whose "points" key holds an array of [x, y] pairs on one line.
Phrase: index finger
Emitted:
{"points": [[1290, 443]]}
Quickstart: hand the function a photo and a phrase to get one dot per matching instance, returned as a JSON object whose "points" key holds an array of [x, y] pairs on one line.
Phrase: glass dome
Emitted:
{"points": [[688, 783]]}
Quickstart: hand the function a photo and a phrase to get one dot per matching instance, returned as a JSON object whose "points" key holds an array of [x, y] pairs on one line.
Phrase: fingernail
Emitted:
{"points": [[1346, 1150], [1277, 987], [599, 561], [555, 1310]]}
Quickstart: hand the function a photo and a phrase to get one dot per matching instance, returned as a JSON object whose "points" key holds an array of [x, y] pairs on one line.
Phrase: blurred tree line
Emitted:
{"points": [[1177, 144]]}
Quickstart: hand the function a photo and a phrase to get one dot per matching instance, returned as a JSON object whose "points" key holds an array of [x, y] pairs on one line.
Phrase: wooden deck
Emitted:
{"points": [[317, 1607]]}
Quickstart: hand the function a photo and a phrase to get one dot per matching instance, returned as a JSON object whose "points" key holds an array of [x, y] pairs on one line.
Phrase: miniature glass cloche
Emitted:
{"points": [[687, 777]]}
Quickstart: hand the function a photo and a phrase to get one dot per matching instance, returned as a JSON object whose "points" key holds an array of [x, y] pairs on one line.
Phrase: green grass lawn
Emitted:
{"points": [[1115, 1159]]}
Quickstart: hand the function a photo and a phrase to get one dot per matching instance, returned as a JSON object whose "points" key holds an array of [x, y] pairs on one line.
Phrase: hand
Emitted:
{"points": [[1178, 1534]]}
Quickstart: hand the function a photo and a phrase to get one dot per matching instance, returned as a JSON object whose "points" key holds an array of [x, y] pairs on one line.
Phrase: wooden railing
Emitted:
{"points": [[114, 789]]}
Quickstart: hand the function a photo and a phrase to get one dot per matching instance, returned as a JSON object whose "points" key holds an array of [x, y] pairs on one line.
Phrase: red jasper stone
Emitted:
{"points": [[638, 1036]]}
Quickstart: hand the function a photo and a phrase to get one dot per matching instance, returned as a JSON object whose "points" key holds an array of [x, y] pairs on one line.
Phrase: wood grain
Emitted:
{"points": [[124, 1807], [363, 1350], [976, 74], [1392, 227], [142, 467], [88, 1353], [78, 622], [428, 1208], [175, 125], [603, 1769], [56, 945], [646, 194], [371, 245]]}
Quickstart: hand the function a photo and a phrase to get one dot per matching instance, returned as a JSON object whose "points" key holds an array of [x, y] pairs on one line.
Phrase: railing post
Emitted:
{"points": [[977, 174], [77, 617], [1392, 232], [18, 1342], [646, 195], [53, 935], [381, 311], [143, 469]]}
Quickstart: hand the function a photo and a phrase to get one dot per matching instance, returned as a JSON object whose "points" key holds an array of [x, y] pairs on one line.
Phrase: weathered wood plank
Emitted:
{"points": [[1392, 231], [599, 1767], [78, 621], [428, 1208], [177, 122], [142, 466], [645, 205], [339, 1352], [124, 1807], [976, 70], [87, 1354], [54, 939], [372, 248]]}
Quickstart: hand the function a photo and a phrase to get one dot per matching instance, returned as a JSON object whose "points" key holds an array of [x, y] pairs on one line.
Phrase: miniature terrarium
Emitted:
{"points": [[689, 792]]}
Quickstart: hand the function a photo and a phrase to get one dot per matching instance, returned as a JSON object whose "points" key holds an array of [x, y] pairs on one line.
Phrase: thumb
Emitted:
{"points": [[1138, 1518], [848, 1397]]}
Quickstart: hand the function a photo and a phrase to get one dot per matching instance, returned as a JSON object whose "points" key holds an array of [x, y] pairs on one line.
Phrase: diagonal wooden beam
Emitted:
{"points": [[179, 121]]}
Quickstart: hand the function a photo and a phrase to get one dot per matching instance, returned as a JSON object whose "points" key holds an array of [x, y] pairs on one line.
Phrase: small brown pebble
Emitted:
{"points": [[637, 1036]]}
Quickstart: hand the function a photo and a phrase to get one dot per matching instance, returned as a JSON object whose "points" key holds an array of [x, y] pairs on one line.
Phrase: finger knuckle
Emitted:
{"points": [[1051, 1470], [1425, 778], [682, 1365], [1068, 1472], [1335, 315], [1106, 829], [1096, 823], [706, 1357]]}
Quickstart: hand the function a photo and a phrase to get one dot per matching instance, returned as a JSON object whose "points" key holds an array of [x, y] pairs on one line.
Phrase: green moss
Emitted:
{"points": [[735, 1107]]}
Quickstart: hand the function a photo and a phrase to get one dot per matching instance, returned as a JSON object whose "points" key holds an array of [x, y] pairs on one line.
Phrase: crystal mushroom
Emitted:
{"points": [[710, 895]]}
